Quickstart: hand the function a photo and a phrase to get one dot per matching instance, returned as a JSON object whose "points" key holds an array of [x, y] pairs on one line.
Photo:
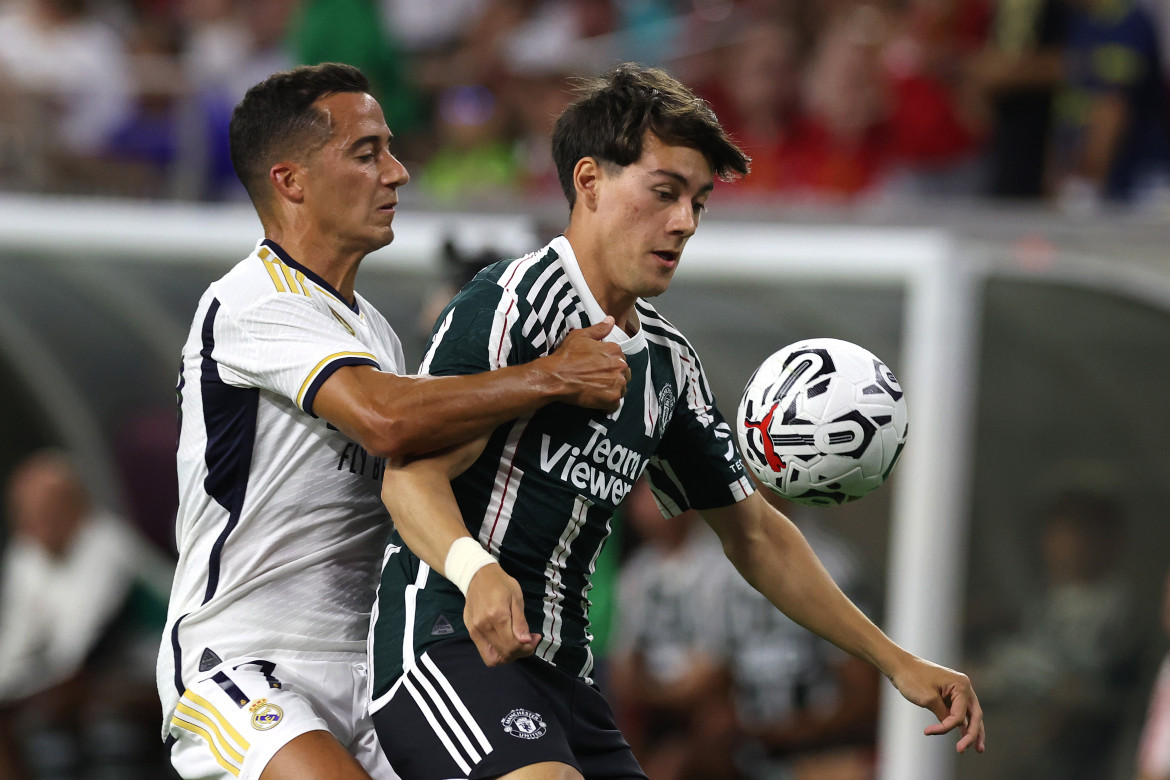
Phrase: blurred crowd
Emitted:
{"points": [[708, 680], [1057, 100]]}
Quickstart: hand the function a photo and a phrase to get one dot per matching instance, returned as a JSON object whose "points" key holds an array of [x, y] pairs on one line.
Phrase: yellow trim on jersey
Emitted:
{"points": [[199, 716], [294, 280], [205, 704], [202, 732], [330, 294], [317, 369], [301, 281], [271, 266], [341, 319], [288, 277]]}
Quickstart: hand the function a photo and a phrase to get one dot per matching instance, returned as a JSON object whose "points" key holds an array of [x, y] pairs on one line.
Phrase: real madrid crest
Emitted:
{"points": [[524, 724], [265, 715]]}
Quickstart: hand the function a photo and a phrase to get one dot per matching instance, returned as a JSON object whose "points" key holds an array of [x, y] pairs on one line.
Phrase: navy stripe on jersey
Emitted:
{"points": [[229, 416], [230, 688], [177, 649], [325, 373], [284, 258]]}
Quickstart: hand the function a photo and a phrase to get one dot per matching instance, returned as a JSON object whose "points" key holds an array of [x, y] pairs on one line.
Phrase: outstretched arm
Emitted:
{"points": [[400, 417], [772, 555], [419, 497]]}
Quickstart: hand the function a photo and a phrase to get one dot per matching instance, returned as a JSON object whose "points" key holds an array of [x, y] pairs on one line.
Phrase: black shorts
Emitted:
{"points": [[450, 716]]}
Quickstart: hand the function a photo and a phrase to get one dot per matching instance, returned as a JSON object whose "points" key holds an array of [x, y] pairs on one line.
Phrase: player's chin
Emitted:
{"points": [[657, 286], [380, 237]]}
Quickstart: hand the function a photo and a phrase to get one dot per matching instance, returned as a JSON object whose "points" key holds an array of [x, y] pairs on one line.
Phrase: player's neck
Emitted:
{"points": [[324, 258], [612, 301]]}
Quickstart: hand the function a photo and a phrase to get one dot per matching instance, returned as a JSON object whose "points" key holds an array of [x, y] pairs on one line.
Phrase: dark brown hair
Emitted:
{"points": [[611, 114], [277, 119]]}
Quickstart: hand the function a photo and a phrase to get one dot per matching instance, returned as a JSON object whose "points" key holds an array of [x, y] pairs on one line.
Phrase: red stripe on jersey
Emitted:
{"points": [[503, 497]]}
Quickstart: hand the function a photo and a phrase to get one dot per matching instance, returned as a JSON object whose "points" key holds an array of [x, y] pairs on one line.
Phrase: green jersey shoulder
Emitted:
{"points": [[541, 494]]}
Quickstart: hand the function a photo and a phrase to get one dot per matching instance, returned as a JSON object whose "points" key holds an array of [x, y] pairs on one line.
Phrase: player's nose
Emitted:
{"points": [[394, 173], [683, 219]]}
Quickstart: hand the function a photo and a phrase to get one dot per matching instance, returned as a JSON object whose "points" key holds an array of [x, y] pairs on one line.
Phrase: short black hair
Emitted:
{"points": [[609, 118], [277, 118]]}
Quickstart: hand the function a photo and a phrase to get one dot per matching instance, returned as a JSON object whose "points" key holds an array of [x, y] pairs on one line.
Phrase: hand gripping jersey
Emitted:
{"points": [[280, 527], [541, 495]]}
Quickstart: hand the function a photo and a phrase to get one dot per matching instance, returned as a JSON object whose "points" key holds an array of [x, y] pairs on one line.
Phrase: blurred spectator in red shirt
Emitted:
{"points": [[935, 141], [757, 99], [843, 144]]}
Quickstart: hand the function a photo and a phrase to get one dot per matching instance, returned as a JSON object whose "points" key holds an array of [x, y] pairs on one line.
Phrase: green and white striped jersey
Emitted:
{"points": [[541, 495]]}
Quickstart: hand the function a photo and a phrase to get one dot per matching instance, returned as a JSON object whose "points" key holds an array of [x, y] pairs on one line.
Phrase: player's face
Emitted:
{"points": [[648, 211], [353, 180]]}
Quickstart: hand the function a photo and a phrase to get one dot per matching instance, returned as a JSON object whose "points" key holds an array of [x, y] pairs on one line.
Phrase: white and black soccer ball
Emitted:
{"points": [[822, 422]]}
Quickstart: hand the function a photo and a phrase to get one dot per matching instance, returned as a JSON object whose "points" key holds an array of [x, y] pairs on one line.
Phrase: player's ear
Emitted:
{"points": [[286, 178], [586, 176]]}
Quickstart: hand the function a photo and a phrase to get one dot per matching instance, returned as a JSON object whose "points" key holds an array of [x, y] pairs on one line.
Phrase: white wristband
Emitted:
{"points": [[464, 558]]}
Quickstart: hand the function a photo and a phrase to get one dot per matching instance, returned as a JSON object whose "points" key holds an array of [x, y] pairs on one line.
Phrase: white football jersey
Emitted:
{"points": [[280, 526]]}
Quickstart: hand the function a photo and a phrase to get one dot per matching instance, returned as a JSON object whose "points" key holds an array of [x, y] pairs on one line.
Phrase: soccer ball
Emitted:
{"points": [[822, 422]]}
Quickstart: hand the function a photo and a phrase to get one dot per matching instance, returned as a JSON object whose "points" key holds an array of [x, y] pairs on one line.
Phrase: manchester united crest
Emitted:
{"points": [[524, 724]]}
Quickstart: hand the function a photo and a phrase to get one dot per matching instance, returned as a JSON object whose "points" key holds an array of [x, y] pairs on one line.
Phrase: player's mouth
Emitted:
{"points": [[388, 207], [667, 257]]}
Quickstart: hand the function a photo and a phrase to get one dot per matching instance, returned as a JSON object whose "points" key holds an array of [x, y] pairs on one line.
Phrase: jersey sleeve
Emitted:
{"points": [[287, 345], [697, 465], [483, 328]]}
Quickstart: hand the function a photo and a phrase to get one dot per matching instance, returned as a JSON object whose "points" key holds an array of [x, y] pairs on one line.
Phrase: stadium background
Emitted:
{"points": [[1031, 334]]}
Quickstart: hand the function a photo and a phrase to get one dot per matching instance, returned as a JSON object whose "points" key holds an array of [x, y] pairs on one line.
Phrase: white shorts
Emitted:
{"points": [[233, 719]]}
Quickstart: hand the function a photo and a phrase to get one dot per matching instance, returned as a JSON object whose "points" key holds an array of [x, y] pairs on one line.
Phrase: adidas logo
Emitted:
{"points": [[442, 627], [209, 660]]}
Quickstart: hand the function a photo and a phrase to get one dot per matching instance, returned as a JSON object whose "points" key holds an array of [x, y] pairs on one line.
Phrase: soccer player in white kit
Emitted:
{"points": [[291, 400]]}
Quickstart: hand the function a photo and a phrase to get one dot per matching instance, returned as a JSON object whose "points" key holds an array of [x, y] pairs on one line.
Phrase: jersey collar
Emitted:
{"points": [[317, 280], [564, 250]]}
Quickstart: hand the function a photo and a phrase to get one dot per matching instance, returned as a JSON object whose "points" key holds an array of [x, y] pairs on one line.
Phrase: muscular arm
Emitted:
{"points": [[773, 556], [419, 497], [401, 417]]}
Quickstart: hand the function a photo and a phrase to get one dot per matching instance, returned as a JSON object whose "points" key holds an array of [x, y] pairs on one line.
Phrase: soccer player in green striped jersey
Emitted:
{"points": [[480, 641]]}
